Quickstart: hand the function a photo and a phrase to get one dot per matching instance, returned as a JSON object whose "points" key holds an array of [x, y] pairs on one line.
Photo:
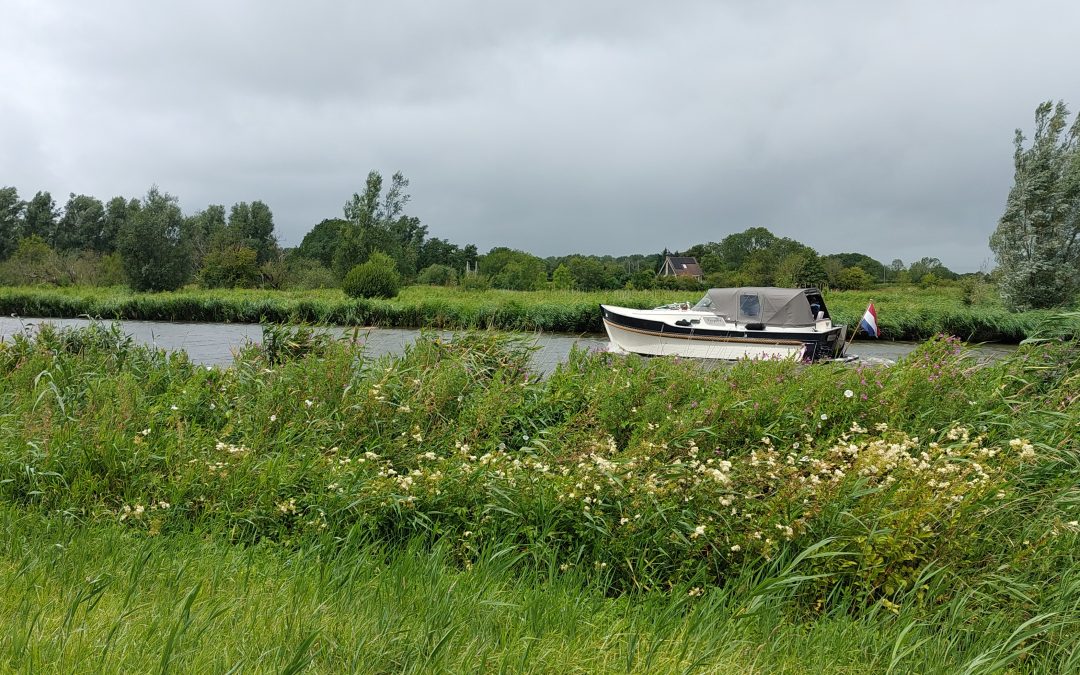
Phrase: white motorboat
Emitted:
{"points": [[731, 323]]}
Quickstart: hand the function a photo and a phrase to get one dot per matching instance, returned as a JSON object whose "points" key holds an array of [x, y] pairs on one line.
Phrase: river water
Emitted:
{"points": [[214, 343]]}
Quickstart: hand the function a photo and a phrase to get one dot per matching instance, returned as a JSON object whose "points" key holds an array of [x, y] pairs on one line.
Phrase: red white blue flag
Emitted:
{"points": [[869, 321]]}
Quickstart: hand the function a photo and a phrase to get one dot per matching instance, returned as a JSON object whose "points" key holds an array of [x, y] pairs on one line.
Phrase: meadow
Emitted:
{"points": [[904, 312], [313, 509]]}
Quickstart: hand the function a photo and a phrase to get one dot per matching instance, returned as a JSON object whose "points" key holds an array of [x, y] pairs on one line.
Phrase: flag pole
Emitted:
{"points": [[858, 325]]}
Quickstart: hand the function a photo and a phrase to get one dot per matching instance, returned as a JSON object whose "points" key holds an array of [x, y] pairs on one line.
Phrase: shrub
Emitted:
{"points": [[376, 278], [438, 275], [306, 274], [230, 267], [475, 282]]}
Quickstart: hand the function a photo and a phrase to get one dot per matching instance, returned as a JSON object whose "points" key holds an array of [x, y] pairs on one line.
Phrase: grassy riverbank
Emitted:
{"points": [[904, 313], [447, 509]]}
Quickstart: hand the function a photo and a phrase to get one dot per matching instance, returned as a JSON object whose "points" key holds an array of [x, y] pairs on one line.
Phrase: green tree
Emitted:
{"points": [[589, 273], [514, 270], [561, 279], [322, 241], [735, 250], [377, 222], [232, 266], [252, 225], [155, 255], [118, 211], [207, 231], [896, 267], [41, 218], [82, 227], [11, 223], [802, 269], [33, 262], [1037, 240], [871, 266], [853, 279], [927, 265]]}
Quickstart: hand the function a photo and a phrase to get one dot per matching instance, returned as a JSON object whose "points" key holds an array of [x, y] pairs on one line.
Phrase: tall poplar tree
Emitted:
{"points": [[1037, 240]]}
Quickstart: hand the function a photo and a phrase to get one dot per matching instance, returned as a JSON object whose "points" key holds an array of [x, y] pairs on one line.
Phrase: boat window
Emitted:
{"points": [[704, 303], [749, 306], [817, 306]]}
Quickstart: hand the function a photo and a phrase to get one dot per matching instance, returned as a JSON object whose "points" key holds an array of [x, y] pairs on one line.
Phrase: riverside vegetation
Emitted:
{"points": [[449, 510], [904, 312]]}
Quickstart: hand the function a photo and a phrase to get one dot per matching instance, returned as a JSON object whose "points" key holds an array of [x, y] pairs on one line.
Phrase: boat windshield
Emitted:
{"points": [[704, 304]]}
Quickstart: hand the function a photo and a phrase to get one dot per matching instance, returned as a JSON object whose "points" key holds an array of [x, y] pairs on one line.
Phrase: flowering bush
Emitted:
{"points": [[650, 473]]}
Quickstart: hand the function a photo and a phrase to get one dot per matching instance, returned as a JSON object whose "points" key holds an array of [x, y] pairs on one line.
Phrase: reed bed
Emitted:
{"points": [[904, 313], [448, 509]]}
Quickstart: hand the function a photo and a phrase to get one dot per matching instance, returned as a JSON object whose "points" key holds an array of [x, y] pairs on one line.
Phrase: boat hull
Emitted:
{"points": [[632, 332]]}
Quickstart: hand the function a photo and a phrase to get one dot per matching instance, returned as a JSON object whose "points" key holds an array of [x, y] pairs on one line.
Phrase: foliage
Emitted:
{"points": [[1037, 240], [230, 267], [252, 226], [476, 282], [303, 274], [802, 269], [11, 210], [155, 255], [206, 231], [764, 502], [561, 278], [377, 222], [40, 218], [33, 262], [872, 267], [853, 279], [438, 275], [322, 241], [924, 266], [376, 278], [975, 289], [82, 226], [514, 270]]}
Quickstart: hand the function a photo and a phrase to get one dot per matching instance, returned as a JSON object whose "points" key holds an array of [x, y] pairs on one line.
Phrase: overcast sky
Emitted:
{"points": [[554, 127]]}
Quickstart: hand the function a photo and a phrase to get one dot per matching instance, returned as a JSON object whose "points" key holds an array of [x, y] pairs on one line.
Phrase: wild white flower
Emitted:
{"points": [[173, 407], [273, 418], [145, 432], [848, 393], [698, 531], [736, 548], [824, 417], [308, 402]]}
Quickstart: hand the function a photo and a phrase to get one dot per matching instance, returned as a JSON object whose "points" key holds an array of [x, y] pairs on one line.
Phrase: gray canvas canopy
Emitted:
{"points": [[770, 306]]}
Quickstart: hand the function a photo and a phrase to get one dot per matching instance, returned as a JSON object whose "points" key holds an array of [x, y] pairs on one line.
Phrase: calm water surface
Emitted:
{"points": [[215, 343]]}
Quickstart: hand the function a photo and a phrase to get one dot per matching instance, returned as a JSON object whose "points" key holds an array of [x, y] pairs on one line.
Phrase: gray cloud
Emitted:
{"points": [[606, 127]]}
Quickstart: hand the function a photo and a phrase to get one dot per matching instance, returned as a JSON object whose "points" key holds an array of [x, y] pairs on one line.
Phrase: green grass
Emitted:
{"points": [[904, 313], [448, 510], [98, 598]]}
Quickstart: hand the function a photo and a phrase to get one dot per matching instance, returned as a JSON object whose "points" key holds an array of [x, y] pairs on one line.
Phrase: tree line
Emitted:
{"points": [[150, 244]]}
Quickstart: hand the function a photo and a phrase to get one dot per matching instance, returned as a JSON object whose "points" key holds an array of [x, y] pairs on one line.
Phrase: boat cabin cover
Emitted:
{"points": [[767, 305]]}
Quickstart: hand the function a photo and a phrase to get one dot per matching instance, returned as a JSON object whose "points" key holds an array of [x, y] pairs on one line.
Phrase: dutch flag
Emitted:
{"points": [[869, 321]]}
